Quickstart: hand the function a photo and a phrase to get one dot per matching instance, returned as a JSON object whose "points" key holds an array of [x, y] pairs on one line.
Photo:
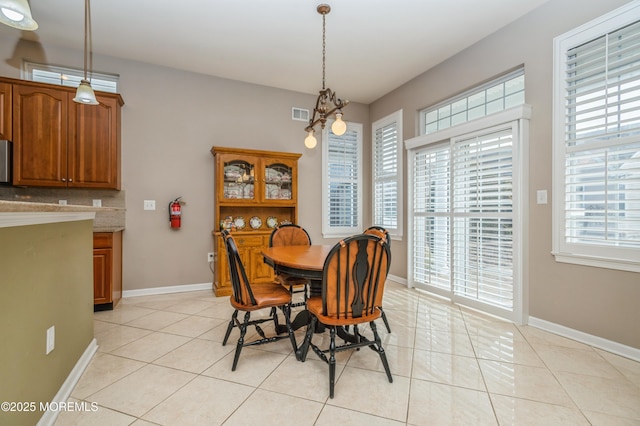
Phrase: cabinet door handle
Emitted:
{"points": [[70, 180], [64, 179]]}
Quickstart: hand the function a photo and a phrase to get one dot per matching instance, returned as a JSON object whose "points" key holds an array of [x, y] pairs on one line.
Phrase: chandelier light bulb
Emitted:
{"points": [[339, 127], [310, 141]]}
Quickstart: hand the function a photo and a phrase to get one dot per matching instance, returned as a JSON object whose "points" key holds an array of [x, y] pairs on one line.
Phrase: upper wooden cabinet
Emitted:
{"points": [[256, 190], [5, 111], [60, 143]]}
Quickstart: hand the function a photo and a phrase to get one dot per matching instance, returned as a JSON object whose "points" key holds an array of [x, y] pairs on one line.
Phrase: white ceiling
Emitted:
{"points": [[373, 46]]}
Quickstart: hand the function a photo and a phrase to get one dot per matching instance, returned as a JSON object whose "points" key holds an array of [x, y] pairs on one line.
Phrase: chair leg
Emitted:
{"points": [[380, 350], [240, 344], [304, 348], [384, 318], [332, 361], [287, 317], [234, 319]]}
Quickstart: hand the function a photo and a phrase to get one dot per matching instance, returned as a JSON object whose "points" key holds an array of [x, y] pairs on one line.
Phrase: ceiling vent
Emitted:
{"points": [[299, 114]]}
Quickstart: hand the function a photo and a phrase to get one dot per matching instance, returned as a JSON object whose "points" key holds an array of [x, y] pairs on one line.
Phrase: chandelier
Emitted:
{"points": [[327, 103]]}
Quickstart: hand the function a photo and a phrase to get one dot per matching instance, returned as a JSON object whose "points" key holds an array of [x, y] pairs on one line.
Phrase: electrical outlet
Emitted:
{"points": [[51, 339], [97, 203], [209, 257], [149, 204], [62, 202]]}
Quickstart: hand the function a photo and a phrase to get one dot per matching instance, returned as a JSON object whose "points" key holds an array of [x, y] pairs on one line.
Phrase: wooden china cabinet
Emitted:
{"points": [[254, 191]]}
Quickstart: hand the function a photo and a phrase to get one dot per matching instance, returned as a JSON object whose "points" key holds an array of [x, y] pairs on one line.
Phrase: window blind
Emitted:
{"points": [[431, 217], [385, 176], [483, 220], [463, 218], [343, 180], [602, 141]]}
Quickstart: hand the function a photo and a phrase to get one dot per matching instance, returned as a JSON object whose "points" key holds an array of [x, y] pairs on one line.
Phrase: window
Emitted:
{"points": [[68, 76], [596, 142], [497, 95], [387, 173], [466, 189], [342, 182]]}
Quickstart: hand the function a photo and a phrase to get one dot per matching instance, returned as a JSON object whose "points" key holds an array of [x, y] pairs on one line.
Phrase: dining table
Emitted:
{"points": [[303, 262]]}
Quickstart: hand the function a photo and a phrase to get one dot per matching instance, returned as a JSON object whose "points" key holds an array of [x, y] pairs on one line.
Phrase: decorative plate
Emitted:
{"points": [[255, 222], [272, 221], [239, 222]]}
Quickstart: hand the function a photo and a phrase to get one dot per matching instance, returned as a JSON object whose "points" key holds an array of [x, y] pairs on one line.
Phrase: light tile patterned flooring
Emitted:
{"points": [[160, 361]]}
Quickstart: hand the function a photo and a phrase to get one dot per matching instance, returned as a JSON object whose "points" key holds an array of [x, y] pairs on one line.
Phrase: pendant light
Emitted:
{"points": [[85, 94], [17, 14], [323, 109]]}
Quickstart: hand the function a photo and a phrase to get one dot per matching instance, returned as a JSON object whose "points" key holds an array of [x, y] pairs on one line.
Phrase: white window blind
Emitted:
{"points": [[466, 191], [432, 217], [597, 143], [342, 207], [387, 173], [483, 218]]}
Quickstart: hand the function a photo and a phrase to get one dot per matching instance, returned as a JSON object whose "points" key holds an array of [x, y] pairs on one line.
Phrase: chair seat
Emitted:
{"points": [[266, 296], [288, 280], [314, 305]]}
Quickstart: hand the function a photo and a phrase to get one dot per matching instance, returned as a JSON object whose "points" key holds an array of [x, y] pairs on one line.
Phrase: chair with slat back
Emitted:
{"points": [[353, 282], [291, 235], [382, 233], [248, 298]]}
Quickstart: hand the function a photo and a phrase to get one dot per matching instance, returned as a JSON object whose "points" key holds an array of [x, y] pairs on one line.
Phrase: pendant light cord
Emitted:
{"points": [[324, 15], [88, 55]]}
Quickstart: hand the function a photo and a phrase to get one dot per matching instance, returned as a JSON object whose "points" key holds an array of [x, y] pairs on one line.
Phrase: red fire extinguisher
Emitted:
{"points": [[175, 213]]}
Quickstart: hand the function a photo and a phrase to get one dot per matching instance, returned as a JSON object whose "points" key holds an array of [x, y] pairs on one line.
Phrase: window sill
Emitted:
{"points": [[597, 262]]}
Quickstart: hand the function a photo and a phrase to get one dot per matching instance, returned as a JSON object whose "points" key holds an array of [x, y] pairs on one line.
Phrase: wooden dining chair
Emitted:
{"points": [[291, 235], [353, 282], [248, 298], [382, 233]]}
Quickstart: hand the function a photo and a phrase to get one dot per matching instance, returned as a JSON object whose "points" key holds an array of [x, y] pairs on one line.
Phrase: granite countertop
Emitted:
{"points": [[107, 219], [27, 206]]}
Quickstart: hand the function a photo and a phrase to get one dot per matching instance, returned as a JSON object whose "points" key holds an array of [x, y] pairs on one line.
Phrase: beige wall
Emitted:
{"points": [[597, 301], [46, 279]]}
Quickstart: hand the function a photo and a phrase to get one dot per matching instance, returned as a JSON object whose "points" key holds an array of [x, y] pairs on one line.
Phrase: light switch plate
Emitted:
{"points": [[541, 196], [149, 204]]}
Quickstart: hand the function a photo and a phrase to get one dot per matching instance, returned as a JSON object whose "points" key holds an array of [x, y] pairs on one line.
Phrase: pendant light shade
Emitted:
{"points": [[17, 14], [85, 94]]}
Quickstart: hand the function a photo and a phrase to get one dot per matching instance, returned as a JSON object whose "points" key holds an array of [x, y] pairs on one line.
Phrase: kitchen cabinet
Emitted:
{"points": [[5, 111], [60, 143], [254, 191], [107, 270]]}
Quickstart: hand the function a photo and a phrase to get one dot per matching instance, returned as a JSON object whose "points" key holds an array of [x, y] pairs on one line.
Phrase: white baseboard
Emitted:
{"points": [[167, 290], [49, 417], [396, 279], [598, 342]]}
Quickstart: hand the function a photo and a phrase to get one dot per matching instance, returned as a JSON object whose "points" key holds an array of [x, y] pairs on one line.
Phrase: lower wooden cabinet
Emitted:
{"points": [[250, 248], [107, 270]]}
